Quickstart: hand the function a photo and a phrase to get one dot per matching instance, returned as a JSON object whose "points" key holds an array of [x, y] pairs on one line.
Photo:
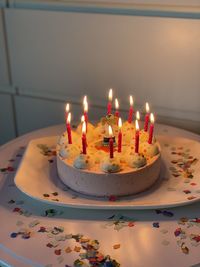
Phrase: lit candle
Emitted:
{"points": [[137, 115], [110, 96], [84, 141], [84, 100], [82, 118], [67, 107], [86, 111], [120, 135], [130, 116], [137, 136], [116, 108], [69, 134], [111, 144], [151, 128], [146, 122]]}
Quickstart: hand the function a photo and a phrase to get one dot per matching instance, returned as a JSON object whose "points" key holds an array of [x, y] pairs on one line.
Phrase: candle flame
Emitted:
{"points": [[84, 127], [116, 103], [138, 115], [110, 94], [137, 125], [152, 118], [131, 100], [67, 107], [84, 100], [82, 118], [69, 118], [86, 106], [147, 107], [120, 123], [110, 131]]}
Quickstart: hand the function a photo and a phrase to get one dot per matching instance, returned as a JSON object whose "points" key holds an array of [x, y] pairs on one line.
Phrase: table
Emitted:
{"points": [[38, 234]]}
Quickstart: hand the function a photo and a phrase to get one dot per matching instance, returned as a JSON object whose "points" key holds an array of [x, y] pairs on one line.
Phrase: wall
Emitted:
{"points": [[54, 57]]}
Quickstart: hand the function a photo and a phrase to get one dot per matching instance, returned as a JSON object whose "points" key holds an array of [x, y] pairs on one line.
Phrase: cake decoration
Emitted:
{"points": [[110, 165], [81, 162], [137, 160], [113, 158]]}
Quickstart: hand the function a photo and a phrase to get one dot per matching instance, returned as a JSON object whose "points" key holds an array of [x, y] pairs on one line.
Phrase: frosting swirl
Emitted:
{"points": [[137, 161], [110, 165], [81, 162]]}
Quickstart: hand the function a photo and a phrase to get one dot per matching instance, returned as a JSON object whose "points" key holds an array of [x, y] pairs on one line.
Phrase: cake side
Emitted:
{"points": [[106, 184]]}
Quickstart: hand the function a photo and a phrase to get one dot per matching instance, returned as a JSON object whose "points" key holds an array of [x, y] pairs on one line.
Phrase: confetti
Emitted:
{"points": [[191, 197], [184, 249], [112, 198], [77, 249], [13, 235], [156, 224], [68, 250], [187, 191], [33, 223], [117, 246], [57, 252]]}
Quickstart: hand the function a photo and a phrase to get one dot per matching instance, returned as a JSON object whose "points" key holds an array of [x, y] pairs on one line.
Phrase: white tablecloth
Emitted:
{"points": [[37, 234]]}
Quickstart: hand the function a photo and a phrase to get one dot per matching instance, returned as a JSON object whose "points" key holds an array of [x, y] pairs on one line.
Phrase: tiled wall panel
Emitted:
{"points": [[60, 55], [7, 131]]}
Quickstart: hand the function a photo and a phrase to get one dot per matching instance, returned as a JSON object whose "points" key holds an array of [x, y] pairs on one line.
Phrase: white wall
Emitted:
{"points": [[7, 129], [59, 56]]}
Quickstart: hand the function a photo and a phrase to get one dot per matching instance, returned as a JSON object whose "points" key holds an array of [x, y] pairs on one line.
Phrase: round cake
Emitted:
{"points": [[96, 172]]}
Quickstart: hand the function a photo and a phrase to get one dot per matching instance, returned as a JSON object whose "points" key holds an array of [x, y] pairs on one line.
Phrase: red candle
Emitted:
{"points": [[69, 134], [109, 107], [146, 122], [120, 135], [116, 108], [137, 136], [111, 143], [151, 129], [84, 141], [130, 115]]}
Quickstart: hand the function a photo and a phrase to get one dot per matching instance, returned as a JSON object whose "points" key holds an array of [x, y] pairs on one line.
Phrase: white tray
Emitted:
{"points": [[37, 176]]}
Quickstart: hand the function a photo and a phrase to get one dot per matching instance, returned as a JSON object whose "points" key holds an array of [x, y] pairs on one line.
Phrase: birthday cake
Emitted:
{"points": [[110, 158]]}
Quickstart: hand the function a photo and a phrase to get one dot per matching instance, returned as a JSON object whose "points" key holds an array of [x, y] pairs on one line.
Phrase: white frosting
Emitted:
{"points": [[69, 151], [63, 140], [136, 161], [149, 150], [110, 165], [81, 162]]}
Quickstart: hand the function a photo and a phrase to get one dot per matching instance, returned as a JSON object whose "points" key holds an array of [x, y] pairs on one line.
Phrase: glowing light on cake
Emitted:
{"points": [[69, 134], [67, 107], [110, 96], [84, 141], [111, 143], [130, 116], [120, 135], [146, 122], [137, 115], [151, 129], [84, 100], [82, 118], [85, 106], [116, 108], [137, 136]]}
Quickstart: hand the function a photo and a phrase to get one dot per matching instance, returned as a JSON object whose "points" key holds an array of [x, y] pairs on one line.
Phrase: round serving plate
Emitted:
{"points": [[178, 184]]}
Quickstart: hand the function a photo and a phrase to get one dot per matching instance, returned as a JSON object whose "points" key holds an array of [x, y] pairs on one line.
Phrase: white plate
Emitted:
{"points": [[37, 176]]}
